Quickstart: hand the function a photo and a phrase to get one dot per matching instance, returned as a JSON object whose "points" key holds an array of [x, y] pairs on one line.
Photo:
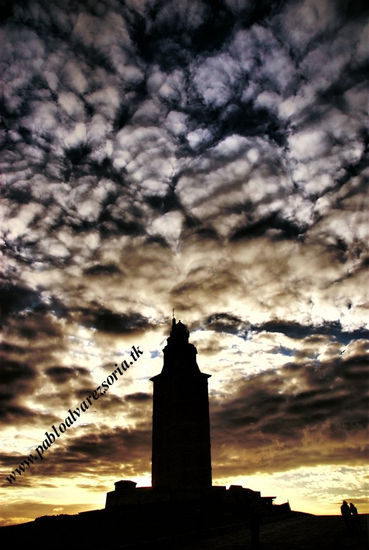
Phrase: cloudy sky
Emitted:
{"points": [[210, 157]]}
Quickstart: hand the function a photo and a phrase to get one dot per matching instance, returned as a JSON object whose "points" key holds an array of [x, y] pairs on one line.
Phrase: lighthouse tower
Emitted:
{"points": [[181, 456]]}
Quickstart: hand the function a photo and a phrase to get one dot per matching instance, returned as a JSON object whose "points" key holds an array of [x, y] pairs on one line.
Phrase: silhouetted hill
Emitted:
{"points": [[298, 531], [104, 530]]}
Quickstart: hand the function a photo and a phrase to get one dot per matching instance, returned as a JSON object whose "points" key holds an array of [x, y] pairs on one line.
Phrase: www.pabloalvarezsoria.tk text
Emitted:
{"points": [[75, 414]]}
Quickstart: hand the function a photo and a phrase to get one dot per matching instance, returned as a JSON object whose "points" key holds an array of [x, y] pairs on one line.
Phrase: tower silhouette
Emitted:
{"points": [[181, 457], [182, 493]]}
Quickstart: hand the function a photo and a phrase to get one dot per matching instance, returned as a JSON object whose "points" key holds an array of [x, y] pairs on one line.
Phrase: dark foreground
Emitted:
{"points": [[101, 531], [296, 532]]}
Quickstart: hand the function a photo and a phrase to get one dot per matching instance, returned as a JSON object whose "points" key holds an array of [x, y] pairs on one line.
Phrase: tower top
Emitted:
{"points": [[179, 354], [178, 334]]}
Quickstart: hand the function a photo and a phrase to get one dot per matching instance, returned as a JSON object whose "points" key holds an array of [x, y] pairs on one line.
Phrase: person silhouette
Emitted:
{"points": [[354, 517], [346, 515]]}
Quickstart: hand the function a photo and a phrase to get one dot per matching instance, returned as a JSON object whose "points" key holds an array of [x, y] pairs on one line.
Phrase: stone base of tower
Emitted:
{"points": [[187, 515], [219, 498], [170, 517]]}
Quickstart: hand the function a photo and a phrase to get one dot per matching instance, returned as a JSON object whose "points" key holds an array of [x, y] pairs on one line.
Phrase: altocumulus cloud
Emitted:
{"points": [[211, 156]]}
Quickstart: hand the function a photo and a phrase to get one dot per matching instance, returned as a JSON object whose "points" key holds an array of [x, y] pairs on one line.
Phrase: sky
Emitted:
{"points": [[210, 157]]}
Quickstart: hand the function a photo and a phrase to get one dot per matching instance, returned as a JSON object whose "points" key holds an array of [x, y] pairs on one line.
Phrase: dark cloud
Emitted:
{"points": [[115, 323], [138, 397], [295, 330], [15, 414], [12, 348], [16, 298], [36, 326], [17, 379], [223, 322], [101, 270], [12, 414], [60, 375], [110, 402], [354, 9], [276, 414], [278, 227], [31, 339], [13, 371], [5, 9], [177, 32]]}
